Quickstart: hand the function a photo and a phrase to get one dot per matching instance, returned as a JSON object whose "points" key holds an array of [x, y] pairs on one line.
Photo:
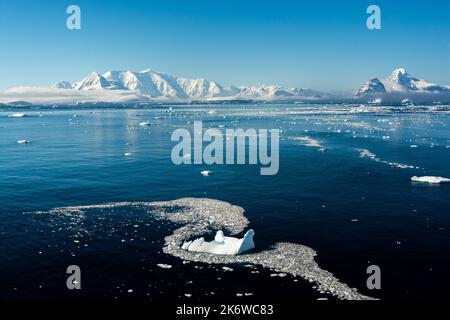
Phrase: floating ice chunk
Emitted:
{"points": [[430, 179], [206, 173], [17, 115], [307, 141], [144, 124], [227, 269], [280, 275], [413, 146], [23, 141], [164, 266], [127, 154], [222, 244]]}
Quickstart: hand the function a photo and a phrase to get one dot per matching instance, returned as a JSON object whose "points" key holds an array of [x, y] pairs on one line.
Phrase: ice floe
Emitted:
{"points": [[364, 153], [307, 141], [430, 179], [17, 115], [23, 141], [205, 173], [164, 266]]}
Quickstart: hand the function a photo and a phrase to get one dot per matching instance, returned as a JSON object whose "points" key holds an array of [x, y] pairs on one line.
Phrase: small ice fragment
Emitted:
{"points": [[144, 123], [127, 154], [130, 291], [355, 220], [206, 173], [430, 179], [188, 295], [17, 115], [281, 275], [164, 266], [413, 146], [23, 141], [227, 269], [239, 294]]}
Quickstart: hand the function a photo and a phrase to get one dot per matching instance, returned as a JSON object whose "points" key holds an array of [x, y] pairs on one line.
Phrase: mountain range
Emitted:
{"points": [[149, 86], [159, 85]]}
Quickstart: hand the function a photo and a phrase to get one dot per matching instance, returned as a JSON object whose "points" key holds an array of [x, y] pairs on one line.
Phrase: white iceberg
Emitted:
{"points": [[17, 115], [206, 173], [144, 124], [430, 179], [23, 141], [222, 244]]}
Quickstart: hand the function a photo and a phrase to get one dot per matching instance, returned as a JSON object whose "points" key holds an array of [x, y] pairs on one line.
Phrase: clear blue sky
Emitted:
{"points": [[318, 44]]}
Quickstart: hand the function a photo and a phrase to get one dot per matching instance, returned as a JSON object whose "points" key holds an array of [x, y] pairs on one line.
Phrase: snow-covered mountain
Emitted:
{"points": [[400, 82], [149, 86], [154, 84], [62, 85], [372, 86]]}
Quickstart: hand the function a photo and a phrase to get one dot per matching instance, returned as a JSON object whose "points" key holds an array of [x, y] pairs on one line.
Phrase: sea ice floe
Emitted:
{"points": [[307, 141], [17, 115], [144, 124], [23, 141], [227, 269], [164, 266], [206, 173], [364, 153], [197, 217], [430, 179]]}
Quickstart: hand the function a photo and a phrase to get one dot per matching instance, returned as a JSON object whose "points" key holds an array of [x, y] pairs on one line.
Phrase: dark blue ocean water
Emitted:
{"points": [[354, 211]]}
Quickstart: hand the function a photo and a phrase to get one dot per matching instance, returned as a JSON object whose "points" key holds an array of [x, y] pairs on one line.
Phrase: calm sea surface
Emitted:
{"points": [[351, 200]]}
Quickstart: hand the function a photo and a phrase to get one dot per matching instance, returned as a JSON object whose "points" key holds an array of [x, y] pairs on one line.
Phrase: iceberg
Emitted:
{"points": [[17, 115], [23, 141], [222, 244], [206, 173], [430, 179]]}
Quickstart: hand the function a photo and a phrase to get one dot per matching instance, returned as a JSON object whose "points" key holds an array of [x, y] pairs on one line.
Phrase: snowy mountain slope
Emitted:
{"points": [[400, 82], [62, 85], [93, 81], [160, 85], [371, 86]]}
